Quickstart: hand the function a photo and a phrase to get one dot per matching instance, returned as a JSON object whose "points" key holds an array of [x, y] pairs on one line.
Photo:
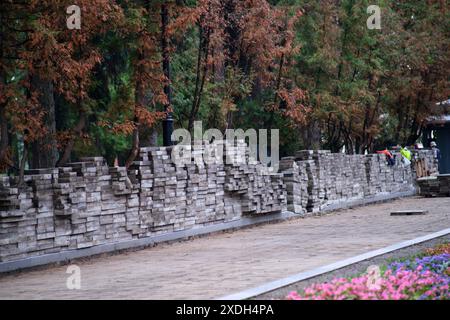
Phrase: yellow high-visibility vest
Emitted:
{"points": [[406, 153]]}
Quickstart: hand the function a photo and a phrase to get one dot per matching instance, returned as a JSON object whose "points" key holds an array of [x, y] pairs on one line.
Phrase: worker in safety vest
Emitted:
{"points": [[436, 153], [406, 154], [389, 157]]}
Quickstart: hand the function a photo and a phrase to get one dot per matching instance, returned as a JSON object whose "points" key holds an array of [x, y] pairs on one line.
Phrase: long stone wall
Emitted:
{"points": [[317, 181], [88, 204]]}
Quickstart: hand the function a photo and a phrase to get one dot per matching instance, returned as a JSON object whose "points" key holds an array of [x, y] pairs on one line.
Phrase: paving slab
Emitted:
{"points": [[408, 212]]}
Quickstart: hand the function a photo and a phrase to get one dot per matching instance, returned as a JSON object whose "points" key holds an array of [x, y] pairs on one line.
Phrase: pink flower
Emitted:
{"points": [[404, 284]]}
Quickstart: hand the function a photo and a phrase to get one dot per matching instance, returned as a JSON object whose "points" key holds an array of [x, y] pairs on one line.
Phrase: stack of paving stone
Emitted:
{"points": [[379, 174], [97, 180], [435, 186], [235, 180], [392, 172], [373, 184], [359, 173], [176, 196], [356, 178], [204, 190], [336, 178], [322, 174], [17, 221], [335, 186], [403, 176], [332, 179], [444, 185], [429, 186], [313, 187], [39, 185], [87, 203], [26, 215], [126, 187], [296, 183], [236, 153], [10, 203], [261, 190], [236, 167], [215, 197], [162, 210], [67, 205], [142, 167], [265, 194], [206, 185], [86, 211], [346, 177], [385, 175]]}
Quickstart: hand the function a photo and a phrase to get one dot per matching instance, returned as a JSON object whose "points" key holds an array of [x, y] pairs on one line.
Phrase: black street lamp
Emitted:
{"points": [[168, 129], [168, 122]]}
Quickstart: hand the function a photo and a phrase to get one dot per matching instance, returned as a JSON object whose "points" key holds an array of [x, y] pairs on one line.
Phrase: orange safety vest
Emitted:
{"points": [[386, 152]]}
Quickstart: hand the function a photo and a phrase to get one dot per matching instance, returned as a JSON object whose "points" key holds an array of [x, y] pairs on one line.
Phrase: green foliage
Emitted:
{"points": [[364, 89]]}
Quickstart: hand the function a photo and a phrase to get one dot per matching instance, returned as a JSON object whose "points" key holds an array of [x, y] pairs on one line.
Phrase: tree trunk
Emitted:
{"points": [[44, 151], [23, 161], [313, 136], [134, 148], [168, 121], [4, 142], [4, 136], [139, 98], [166, 54], [202, 70], [75, 133], [232, 33], [149, 137]]}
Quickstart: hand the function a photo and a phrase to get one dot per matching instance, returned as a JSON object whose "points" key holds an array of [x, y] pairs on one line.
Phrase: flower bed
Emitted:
{"points": [[424, 277]]}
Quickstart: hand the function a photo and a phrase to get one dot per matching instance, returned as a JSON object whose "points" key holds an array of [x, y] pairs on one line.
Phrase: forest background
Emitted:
{"points": [[312, 69]]}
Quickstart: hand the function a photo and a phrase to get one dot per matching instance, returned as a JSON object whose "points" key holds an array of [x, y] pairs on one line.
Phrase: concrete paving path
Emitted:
{"points": [[225, 263]]}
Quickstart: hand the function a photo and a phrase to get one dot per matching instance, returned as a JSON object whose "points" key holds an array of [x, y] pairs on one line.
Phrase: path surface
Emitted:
{"points": [[226, 263]]}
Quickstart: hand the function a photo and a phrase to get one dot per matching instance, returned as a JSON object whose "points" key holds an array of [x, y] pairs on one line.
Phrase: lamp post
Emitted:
{"points": [[168, 129], [168, 121]]}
